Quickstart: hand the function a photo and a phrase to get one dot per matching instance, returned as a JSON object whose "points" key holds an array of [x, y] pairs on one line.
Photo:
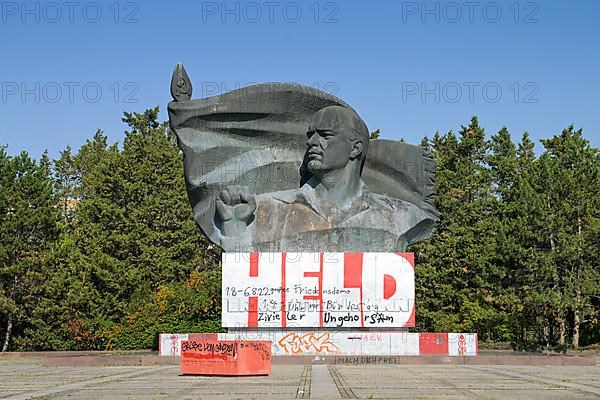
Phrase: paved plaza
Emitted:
{"points": [[26, 379]]}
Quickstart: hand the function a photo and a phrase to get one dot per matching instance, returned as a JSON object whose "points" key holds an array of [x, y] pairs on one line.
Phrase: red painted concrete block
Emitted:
{"points": [[225, 357], [433, 343]]}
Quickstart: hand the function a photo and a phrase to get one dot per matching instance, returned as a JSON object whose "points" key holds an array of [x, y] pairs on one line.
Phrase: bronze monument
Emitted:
{"points": [[284, 167]]}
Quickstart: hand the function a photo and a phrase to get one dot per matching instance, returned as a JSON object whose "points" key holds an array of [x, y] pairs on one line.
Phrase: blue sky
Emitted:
{"points": [[410, 68]]}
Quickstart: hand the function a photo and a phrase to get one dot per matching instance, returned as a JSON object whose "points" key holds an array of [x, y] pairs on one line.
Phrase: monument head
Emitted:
{"points": [[337, 138]]}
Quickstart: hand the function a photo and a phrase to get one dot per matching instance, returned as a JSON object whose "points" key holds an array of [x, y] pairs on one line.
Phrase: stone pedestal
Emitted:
{"points": [[341, 304]]}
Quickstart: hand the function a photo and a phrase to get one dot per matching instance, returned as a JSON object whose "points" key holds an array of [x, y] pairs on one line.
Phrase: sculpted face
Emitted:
{"points": [[329, 141]]}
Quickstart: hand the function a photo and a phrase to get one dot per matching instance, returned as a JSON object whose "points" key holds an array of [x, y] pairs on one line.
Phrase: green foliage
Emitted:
{"points": [[28, 227], [457, 262], [375, 134], [122, 230], [191, 306], [514, 254]]}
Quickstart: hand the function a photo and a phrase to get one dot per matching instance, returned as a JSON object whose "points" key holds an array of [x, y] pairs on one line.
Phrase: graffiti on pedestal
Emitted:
{"points": [[310, 342], [318, 290], [170, 344]]}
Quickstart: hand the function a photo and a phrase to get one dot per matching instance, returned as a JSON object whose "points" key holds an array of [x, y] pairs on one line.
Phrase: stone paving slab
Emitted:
{"points": [[25, 379], [148, 358], [493, 382]]}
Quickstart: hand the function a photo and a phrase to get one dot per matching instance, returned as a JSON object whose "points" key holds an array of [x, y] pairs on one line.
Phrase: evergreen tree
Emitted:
{"points": [[459, 283], [28, 227], [66, 177], [134, 229], [573, 188]]}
